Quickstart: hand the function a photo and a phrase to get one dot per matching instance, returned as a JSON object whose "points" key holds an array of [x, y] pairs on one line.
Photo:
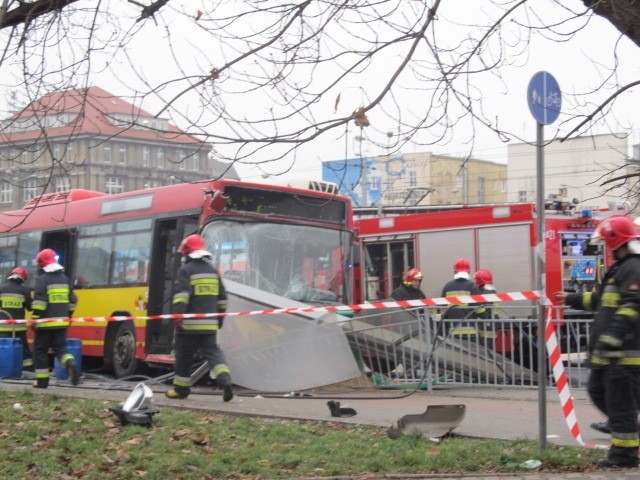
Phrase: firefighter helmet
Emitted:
{"points": [[18, 273], [483, 277], [461, 265], [191, 244], [615, 231], [46, 257], [411, 275]]}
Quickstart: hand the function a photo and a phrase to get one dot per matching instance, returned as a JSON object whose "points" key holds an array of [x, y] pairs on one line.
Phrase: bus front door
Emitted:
{"points": [[168, 233]]}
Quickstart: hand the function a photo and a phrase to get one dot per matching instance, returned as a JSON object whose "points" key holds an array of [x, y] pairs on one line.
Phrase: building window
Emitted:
{"points": [[107, 153], [459, 181], [12, 158], [375, 183], [160, 158], [115, 185], [563, 191], [522, 196], [69, 152], [30, 189], [153, 184], [122, 154], [481, 190], [413, 179], [145, 156], [63, 184], [6, 193], [196, 162], [56, 152], [25, 157], [181, 160]]}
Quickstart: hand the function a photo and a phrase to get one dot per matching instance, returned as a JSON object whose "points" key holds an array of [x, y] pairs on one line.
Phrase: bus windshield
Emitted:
{"points": [[300, 262]]}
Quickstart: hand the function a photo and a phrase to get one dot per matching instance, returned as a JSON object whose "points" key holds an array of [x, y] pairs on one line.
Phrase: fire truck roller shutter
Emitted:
{"points": [[438, 251], [506, 251]]}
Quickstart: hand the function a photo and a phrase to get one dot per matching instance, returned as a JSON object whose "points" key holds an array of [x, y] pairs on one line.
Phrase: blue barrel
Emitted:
{"points": [[74, 347], [10, 357]]}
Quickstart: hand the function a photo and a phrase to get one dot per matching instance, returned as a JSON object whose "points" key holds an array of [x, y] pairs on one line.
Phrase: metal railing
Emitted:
{"points": [[400, 347]]}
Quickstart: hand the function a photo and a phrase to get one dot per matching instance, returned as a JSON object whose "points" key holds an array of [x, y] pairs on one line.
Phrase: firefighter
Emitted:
{"points": [[410, 288], [462, 285], [484, 281], [198, 289], [53, 298], [15, 299], [614, 340], [490, 332]]}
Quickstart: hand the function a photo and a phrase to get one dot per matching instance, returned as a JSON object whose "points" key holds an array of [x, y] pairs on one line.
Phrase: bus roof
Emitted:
{"points": [[77, 207]]}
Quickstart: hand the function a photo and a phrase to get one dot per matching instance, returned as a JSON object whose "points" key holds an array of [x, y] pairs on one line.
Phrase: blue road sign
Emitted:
{"points": [[543, 97]]}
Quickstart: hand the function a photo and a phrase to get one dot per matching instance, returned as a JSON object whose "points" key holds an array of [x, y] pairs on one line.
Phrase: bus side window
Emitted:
{"points": [[131, 258]]}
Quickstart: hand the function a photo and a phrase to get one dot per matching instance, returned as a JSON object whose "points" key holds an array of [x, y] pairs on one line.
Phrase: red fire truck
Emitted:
{"points": [[500, 238]]}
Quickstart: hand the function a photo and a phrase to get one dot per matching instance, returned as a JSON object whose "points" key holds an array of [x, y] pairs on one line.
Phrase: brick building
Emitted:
{"points": [[90, 139]]}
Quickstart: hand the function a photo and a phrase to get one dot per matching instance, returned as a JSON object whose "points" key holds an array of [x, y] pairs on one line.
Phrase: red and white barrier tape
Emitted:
{"points": [[562, 383], [430, 302]]}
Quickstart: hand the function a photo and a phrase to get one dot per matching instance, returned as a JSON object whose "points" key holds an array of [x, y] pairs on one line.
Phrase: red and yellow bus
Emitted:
{"points": [[274, 244]]}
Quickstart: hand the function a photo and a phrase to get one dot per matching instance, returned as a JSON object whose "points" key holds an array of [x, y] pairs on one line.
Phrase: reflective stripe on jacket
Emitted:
{"points": [[15, 299], [53, 297], [199, 289]]}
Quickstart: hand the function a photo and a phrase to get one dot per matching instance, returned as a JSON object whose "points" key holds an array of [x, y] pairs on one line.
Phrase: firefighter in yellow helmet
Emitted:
{"points": [[410, 288], [53, 297], [614, 342], [199, 289], [15, 299]]}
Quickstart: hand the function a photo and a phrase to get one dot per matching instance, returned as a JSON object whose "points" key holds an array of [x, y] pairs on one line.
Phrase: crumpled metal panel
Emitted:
{"points": [[283, 352]]}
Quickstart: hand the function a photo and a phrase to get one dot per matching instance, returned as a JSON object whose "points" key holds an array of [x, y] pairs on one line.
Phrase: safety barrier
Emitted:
{"points": [[401, 347]]}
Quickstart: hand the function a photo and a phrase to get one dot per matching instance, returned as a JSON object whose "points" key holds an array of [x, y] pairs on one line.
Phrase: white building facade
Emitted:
{"points": [[574, 170]]}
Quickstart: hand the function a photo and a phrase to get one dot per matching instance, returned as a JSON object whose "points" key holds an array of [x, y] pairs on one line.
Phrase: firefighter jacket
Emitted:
{"points": [[491, 308], [615, 334], [459, 287], [199, 289], [406, 292], [15, 298], [53, 297]]}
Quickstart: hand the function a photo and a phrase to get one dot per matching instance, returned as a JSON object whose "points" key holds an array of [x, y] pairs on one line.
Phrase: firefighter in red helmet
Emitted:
{"points": [[53, 298], [484, 281], [410, 288], [199, 289], [462, 285], [614, 340], [15, 299]]}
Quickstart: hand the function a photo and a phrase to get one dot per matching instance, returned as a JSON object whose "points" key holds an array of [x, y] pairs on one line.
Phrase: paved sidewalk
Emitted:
{"points": [[508, 413]]}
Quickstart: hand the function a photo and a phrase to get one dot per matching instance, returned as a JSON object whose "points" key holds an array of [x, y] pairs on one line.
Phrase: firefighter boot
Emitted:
{"points": [[178, 392], [224, 382], [610, 463], [72, 371], [601, 427], [40, 383]]}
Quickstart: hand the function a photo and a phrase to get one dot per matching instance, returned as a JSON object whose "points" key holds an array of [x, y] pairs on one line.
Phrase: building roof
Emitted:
{"points": [[90, 111]]}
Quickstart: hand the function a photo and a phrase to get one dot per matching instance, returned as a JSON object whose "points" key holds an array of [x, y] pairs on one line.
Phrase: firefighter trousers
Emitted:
{"points": [[206, 345], [45, 339], [614, 390]]}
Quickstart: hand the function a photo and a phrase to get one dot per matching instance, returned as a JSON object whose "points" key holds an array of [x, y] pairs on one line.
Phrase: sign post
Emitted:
{"points": [[545, 101]]}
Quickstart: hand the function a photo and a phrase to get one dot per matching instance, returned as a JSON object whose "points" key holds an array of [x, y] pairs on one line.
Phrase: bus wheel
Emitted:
{"points": [[123, 351]]}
